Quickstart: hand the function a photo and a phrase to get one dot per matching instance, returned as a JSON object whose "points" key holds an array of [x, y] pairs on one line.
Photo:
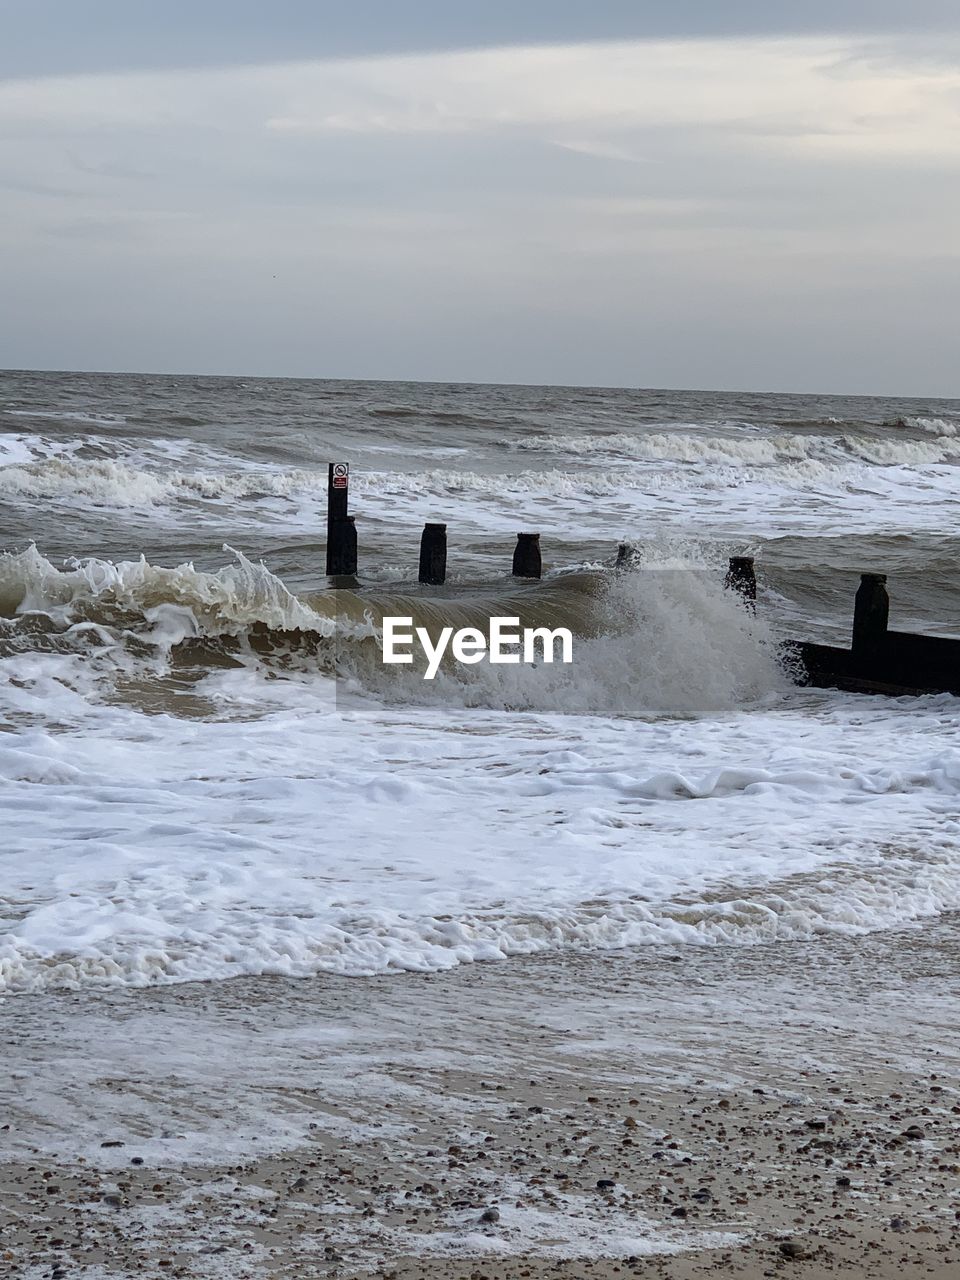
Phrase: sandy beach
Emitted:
{"points": [[785, 1110], [479, 641]]}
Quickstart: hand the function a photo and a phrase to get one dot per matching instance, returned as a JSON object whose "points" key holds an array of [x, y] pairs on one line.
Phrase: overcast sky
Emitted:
{"points": [[675, 194]]}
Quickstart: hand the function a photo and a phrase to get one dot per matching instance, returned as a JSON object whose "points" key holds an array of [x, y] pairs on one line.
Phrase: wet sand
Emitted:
{"points": [[790, 1110]]}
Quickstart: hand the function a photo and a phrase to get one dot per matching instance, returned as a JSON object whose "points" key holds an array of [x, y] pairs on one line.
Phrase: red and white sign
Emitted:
{"points": [[341, 473]]}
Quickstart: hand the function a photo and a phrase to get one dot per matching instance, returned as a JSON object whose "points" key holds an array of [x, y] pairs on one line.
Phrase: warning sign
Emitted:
{"points": [[341, 472]]}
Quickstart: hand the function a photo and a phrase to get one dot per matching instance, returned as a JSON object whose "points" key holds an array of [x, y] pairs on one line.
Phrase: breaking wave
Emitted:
{"points": [[225, 602], [931, 426], [116, 483], [641, 637], [756, 451], [32, 469]]}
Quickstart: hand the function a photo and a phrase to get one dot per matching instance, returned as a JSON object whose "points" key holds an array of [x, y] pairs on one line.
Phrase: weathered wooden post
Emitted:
{"points": [[433, 554], [742, 578], [526, 556], [871, 613], [341, 530]]}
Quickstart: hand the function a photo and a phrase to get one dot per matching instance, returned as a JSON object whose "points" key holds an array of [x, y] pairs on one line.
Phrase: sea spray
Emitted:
{"points": [[652, 642]]}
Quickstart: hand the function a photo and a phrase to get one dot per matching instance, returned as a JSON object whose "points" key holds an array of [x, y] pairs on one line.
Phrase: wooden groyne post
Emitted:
{"points": [[742, 578], [341, 530], [433, 554], [880, 660], [527, 562], [871, 615]]}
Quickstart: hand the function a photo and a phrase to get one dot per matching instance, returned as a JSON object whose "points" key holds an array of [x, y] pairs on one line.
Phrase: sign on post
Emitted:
{"points": [[341, 533]]}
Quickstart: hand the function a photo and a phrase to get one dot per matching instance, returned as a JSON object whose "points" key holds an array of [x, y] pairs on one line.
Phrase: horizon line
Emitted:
{"points": [[469, 382]]}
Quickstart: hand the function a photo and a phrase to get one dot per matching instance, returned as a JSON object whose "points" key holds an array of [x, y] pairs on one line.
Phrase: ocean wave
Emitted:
{"points": [[227, 601], [640, 635], [722, 473], [425, 415], [116, 483], [38, 470], [87, 419], [932, 426], [753, 451], [638, 652], [22, 449]]}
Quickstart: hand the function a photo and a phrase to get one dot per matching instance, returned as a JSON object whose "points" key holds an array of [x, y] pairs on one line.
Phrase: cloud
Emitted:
{"points": [[893, 98], [46, 37], [390, 204]]}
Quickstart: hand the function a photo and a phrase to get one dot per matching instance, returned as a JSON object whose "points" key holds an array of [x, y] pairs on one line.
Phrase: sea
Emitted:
{"points": [[207, 771]]}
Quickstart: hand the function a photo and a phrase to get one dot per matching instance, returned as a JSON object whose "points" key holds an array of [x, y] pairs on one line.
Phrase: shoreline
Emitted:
{"points": [[665, 1111]]}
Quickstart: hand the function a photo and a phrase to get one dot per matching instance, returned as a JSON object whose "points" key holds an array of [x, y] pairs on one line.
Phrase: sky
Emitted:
{"points": [[747, 195]]}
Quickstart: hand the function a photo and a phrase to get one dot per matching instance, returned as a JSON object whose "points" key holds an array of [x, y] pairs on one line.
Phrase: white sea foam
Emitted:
{"points": [[151, 848], [946, 427], [569, 1229], [118, 483], [254, 839], [232, 598], [738, 449], [19, 448], [644, 657], [743, 484], [165, 821], [35, 472]]}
